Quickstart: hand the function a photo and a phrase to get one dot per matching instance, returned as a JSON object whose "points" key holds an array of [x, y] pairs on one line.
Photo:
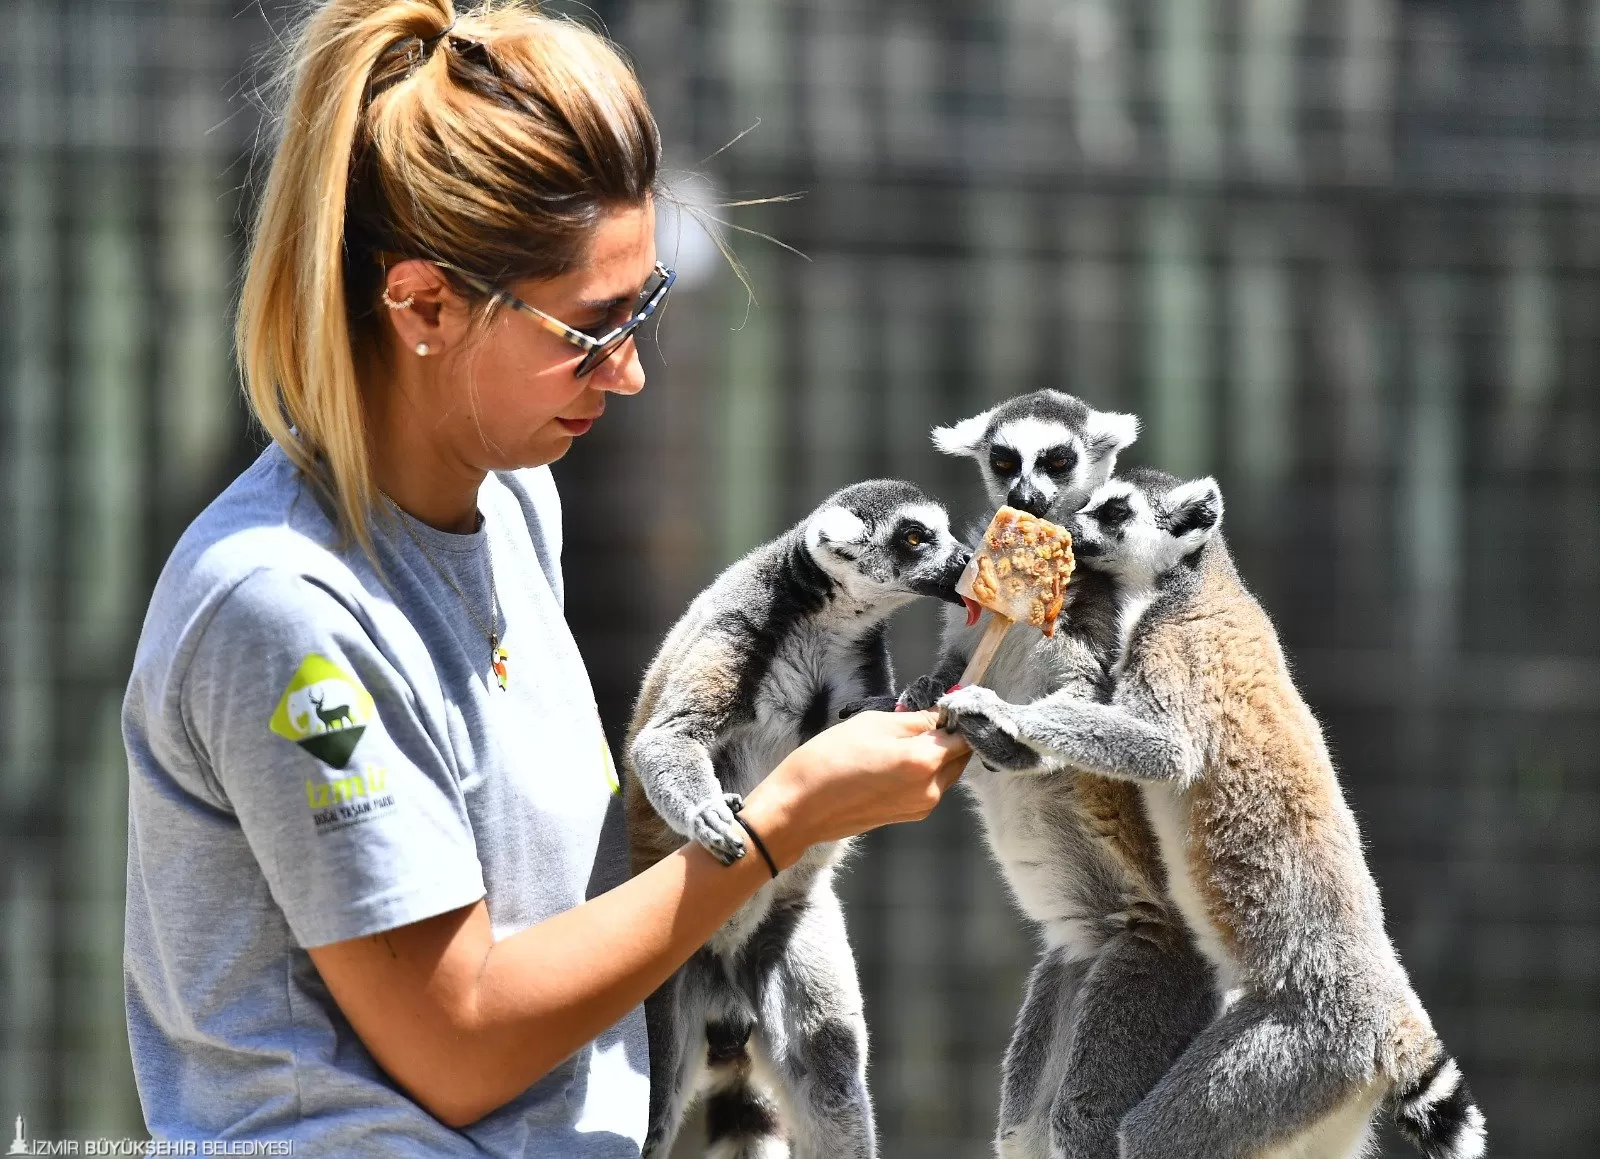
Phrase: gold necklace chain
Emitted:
{"points": [[497, 655]]}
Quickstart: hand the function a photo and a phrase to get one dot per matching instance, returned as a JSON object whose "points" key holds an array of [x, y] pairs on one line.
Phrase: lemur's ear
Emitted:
{"points": [[1193, 511], [838, 530], [1107, 432], [964, 437]]}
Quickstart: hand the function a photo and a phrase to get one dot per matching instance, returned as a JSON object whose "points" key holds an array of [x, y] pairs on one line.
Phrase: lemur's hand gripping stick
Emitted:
{"points": [[1019, 573]]}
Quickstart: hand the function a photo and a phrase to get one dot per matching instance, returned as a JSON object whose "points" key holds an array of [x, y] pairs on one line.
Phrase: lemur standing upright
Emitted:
{"points": [[1263, 855], [761, 662], [1120, 989]]}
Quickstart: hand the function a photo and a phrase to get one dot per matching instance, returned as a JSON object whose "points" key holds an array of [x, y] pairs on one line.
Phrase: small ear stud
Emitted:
{"points": [[393, 305], [422, 350]]}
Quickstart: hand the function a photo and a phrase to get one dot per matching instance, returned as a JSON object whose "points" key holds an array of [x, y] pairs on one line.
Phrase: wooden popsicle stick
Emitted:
{"points": [[988, 644]]}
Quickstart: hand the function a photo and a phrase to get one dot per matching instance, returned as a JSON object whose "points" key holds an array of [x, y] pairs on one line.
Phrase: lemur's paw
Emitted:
{"points": [[921, 694], [868, 704], [978, 703], [986, 721], [714, 827]]}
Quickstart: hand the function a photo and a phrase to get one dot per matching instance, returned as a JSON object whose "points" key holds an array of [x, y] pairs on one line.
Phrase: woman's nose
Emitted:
{"points": [[622, 373]]}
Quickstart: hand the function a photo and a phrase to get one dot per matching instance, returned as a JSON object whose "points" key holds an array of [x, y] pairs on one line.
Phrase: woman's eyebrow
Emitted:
{"points": [[623, 299], [607, 304]]}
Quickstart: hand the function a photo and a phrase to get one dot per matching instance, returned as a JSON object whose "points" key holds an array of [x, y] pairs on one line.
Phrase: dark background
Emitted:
{"points": [[1343, 255]]}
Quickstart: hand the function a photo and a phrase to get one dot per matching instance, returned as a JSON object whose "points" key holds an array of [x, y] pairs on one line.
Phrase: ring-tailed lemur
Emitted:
{"points": [[1263, 854], [760, 663], [1120, 989]]}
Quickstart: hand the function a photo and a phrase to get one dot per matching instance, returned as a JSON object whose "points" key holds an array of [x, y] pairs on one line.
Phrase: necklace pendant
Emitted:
{"points": [[497, 661]]}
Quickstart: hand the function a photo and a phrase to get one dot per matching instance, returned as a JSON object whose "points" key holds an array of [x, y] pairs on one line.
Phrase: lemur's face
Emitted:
{"points": [[886, 541], [1043, 453], [1142, 527]]}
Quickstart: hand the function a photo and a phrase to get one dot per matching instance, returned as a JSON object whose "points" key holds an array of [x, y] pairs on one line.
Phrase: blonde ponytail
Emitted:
{"points": [[490, 142]]}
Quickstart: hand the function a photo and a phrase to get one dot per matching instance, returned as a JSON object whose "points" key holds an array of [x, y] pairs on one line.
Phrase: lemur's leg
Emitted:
{"points": [[1032, 1069], [813, 1031], [675, 1021], [1264, 1073], [677, 776], [1063, 730], [1146, 996]]}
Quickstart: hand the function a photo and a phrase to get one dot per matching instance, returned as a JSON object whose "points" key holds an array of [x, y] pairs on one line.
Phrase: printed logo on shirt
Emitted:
{"points": [[349, 800], [324, 710]]}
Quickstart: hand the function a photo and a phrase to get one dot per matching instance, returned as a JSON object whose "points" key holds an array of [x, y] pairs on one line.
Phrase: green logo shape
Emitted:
{"points": [[324, 710]]}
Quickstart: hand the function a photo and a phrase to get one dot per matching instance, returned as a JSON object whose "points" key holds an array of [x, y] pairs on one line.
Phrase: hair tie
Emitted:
{"points": [[429, 41], [402, 58]]}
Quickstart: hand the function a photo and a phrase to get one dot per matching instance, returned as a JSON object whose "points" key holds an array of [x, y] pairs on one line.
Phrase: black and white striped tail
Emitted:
{"points": [[742, 1123], [1437, 1114]]}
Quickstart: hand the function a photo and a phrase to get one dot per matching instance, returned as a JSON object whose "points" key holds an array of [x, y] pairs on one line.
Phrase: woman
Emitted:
{"points": [[376, 896]]}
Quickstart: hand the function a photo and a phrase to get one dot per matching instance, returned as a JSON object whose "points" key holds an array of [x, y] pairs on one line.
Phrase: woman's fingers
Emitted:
{"points": [[954, 765], [876, 768]]}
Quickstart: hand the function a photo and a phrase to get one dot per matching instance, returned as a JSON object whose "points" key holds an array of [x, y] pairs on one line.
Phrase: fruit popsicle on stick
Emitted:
{"points": [[1019, 574]]}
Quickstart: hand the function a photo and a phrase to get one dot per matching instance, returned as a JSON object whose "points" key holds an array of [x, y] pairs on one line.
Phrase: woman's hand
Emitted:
{"points": [[877, 768]]}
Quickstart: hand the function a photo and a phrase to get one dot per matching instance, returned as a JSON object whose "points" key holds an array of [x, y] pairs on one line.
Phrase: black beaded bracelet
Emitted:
{"points": [[756, 837]]}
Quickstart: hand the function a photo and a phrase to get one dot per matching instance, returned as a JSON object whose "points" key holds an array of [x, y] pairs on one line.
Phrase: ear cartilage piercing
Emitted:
{"points": [[393, 305], [422, 350]]}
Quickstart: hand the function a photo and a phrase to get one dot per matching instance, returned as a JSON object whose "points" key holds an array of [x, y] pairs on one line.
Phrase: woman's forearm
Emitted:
{"points": [[465, 1023]]}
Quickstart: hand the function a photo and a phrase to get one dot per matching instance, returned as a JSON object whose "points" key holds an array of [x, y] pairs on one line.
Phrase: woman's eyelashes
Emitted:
{"points": [[597, 330]]}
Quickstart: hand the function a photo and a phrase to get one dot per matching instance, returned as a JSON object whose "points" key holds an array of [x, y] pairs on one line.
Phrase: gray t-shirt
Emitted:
{"points": [[317, 753]]}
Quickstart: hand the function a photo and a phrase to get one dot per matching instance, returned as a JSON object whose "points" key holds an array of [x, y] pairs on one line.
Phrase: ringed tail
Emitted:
{"points": [[1437, 1115], [742, 1123]]}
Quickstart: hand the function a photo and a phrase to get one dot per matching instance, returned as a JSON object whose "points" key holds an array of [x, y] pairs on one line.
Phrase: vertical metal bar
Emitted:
{"points": [[1261, 378], [1178, 347], [1187, 64]]}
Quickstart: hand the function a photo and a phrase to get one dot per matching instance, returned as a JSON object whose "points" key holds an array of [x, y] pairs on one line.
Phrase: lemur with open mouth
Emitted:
{"points": [[768, 1014], [1262, 853]]}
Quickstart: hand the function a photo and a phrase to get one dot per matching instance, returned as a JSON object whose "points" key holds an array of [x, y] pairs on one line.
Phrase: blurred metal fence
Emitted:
{"points": [[1344, 256]]}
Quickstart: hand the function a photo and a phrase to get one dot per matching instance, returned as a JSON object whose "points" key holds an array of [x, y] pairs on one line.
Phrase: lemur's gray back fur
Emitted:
{"points": [[1263, 856], [1120, 989], [762, 660]]}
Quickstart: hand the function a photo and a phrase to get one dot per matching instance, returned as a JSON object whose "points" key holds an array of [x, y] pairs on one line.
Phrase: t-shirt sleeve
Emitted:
{"points": [[352, 811]]}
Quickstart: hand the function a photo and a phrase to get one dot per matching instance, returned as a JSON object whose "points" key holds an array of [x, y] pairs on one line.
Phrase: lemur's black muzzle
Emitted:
{"points": [[1026, 497], [943, 585]]}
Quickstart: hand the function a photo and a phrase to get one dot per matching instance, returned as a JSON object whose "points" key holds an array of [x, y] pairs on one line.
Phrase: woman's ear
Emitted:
{"points": [[428, 315]]}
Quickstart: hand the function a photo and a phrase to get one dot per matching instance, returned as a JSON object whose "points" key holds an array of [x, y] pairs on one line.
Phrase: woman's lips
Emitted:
{"points": [[575, 426]]}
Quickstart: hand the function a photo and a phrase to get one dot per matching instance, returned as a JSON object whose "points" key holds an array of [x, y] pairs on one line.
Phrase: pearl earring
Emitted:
{"points": [[422, 350]]}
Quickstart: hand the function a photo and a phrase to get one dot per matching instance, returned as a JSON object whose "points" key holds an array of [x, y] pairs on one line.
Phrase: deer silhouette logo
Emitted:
{"points": [[330, 717]]}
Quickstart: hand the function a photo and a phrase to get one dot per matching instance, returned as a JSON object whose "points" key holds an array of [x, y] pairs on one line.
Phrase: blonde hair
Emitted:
{"points": [[491, 143]]}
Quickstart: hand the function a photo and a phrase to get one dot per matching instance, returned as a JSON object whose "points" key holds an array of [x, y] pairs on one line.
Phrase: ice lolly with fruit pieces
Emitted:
{"points": [[1019, 573]]}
